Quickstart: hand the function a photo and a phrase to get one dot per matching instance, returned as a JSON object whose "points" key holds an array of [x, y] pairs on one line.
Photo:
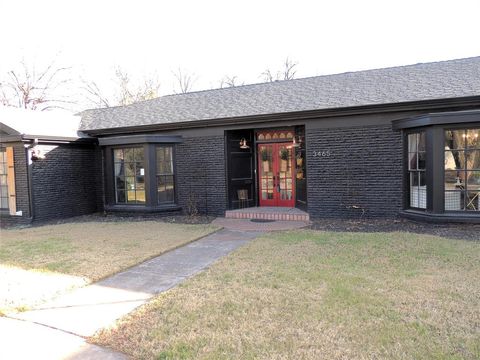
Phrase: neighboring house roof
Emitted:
{"points": [[438, 80], [58, 123]]}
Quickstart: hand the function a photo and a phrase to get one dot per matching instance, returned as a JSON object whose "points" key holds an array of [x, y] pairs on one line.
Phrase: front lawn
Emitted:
{"points": [[318, 295], [38, 262]]}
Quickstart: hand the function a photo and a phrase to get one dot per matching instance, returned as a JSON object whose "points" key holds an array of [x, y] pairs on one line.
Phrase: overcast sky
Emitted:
{"points": [[213, 39]]}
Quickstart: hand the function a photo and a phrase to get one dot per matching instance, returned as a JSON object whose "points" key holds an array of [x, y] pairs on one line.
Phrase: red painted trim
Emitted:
{"points": [[276, 201]]}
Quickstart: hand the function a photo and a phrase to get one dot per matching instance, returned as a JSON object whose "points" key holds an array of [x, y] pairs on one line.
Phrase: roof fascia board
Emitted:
{"points": [[459, 117], [139, 139]]}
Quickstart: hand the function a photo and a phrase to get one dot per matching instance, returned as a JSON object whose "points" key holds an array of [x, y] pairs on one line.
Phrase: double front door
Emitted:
{"points": [[276, 175]]}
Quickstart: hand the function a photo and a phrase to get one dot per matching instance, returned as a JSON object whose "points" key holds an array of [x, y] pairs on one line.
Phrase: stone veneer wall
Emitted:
{"points": [[362, 173]]}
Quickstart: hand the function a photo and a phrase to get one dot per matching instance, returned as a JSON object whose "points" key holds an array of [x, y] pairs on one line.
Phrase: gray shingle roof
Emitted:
{"points": [[438, 80]]}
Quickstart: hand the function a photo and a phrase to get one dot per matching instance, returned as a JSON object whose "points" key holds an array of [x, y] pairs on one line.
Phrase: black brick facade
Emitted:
{"points": [[200, 174], [362, 174], [66, 182]]}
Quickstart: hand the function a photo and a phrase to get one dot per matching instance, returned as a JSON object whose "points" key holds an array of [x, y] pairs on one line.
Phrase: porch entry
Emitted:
{"points": [[276, 174]]}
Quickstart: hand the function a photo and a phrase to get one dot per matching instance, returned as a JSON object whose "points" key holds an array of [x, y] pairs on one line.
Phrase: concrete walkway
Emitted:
{"points": [[57, 329]]}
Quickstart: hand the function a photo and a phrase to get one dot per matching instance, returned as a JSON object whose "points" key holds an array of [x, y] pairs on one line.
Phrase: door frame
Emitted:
{"points": [[276, 201]]}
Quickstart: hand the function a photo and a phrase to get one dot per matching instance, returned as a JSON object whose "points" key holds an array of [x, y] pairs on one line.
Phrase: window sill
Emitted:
{"points": [[473, 218], [141, 208]]}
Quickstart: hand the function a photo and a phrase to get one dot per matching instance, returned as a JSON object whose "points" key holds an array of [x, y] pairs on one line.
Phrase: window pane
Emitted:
{"points": [[119, 168], [473, 139], [453, 200], [454, 160], [421, 141], [140, 196], [3, 180], [422, 160], [473, 180], [452, 180], [473, 159], [117, 155], [130, 183], [120, 182], [166, 191], [129, 154], [412, 161], [140, 183], [412, 143], [3, 191], [473, 201], [129, 169], [454, 139], [139, 155], [120, 196], [131, 199]]}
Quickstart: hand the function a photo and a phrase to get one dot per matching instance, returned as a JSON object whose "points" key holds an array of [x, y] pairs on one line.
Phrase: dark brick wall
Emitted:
{"points": [[21, 188], [66, 183], [200, 167], [364, 170]]}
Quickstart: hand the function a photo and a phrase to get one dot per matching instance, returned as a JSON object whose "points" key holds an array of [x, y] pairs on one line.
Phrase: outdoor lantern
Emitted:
{"points": [[296, 143], [243, 144]]}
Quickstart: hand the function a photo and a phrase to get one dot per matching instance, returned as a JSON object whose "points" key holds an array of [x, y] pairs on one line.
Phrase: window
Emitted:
{"points": [[129, 172], [3, 180], [416, 170], [165, 175], [462, 170]]}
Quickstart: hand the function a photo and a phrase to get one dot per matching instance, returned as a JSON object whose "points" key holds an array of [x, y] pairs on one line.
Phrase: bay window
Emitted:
{"points": [[442, 163], [140, 172]]}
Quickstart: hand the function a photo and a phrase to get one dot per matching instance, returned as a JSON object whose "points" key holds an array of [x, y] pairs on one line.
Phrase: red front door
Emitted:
{"points": [[275, 169]]}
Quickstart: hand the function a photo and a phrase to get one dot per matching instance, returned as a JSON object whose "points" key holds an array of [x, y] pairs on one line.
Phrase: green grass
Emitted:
{"points": [[313, 295]]}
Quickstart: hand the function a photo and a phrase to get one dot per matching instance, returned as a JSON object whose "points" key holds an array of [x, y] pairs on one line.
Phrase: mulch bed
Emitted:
{"points": [[455, 231], [100, 217]]}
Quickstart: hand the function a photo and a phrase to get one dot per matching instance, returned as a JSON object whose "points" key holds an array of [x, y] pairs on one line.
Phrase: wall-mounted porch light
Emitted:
{"points": [[295, 142], [243, 144]]}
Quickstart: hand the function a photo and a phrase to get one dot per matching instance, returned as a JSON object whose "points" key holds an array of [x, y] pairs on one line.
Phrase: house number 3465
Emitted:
{"points": [[325, 153]]}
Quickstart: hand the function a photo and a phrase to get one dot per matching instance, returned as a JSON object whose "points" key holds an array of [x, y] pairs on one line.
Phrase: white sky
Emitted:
{"points": [[217, 38]]}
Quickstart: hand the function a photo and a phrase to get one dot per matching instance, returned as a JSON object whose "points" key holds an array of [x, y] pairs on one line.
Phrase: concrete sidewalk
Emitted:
{"points": [[79, 314]]}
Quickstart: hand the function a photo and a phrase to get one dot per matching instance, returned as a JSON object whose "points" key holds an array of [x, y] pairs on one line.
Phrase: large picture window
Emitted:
{"points": [[129, 169], [462, 170], [165, 175], [416, 170]]}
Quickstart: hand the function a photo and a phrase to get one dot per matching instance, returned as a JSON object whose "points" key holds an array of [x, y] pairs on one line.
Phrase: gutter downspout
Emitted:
{"points": [[30, 179]]}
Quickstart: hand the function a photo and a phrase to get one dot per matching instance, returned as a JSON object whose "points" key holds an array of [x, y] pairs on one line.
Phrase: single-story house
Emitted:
{"points": [[400, 141]]}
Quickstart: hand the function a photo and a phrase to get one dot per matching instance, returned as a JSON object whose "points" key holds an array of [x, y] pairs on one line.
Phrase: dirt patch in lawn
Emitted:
{"points": [[318, 295], [84, 250]]}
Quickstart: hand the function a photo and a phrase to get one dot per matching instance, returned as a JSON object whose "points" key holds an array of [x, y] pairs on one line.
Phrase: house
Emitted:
{"points": [[380, 143], [46, 170]]}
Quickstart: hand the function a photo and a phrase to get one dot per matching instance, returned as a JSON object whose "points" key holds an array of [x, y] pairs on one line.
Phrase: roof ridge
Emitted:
{"points": [[232, 88]]}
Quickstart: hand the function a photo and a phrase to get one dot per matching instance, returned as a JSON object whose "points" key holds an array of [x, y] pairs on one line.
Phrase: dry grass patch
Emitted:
{"points": [[314, 295], [89, 251]]}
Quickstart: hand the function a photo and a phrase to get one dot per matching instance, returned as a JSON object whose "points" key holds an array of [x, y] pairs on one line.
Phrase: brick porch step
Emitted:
{"points": [[268, 213]]}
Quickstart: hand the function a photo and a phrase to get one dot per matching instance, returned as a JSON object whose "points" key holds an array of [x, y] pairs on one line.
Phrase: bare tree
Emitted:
{"points": [[126, 92], [184, 81], [289, 69], [288, 72], [230, 81], [28, 88]]}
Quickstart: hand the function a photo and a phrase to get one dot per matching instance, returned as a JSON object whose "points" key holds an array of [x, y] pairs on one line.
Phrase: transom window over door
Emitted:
{"points": [[165, 175], [129, 168]]}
